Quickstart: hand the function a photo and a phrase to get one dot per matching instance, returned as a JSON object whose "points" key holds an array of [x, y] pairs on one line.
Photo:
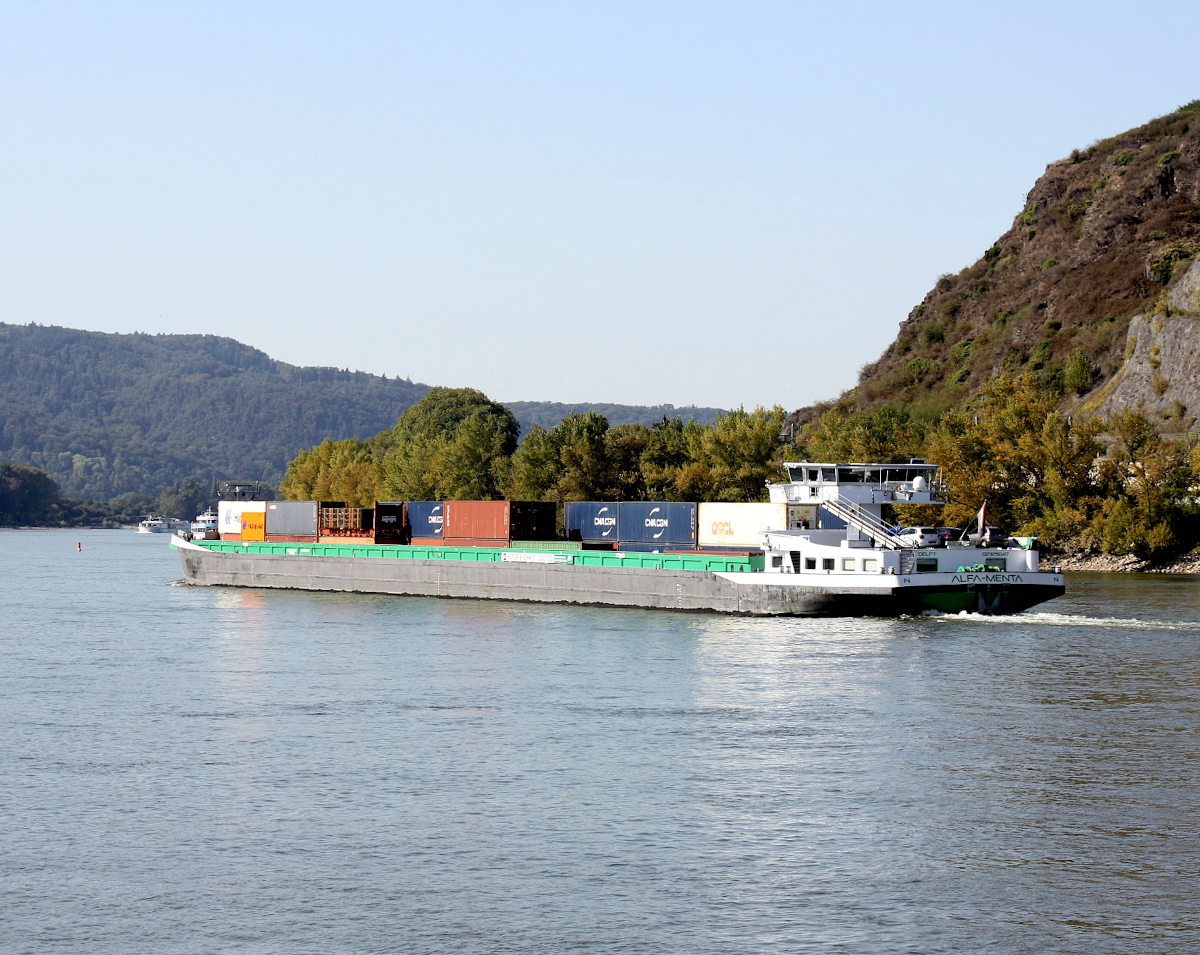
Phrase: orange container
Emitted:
{"points": [[254, 525], [476, 520], [472, 542]]}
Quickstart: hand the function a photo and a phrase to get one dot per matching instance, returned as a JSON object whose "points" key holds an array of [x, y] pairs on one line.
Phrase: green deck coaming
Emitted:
{"points": [[712, 563]]}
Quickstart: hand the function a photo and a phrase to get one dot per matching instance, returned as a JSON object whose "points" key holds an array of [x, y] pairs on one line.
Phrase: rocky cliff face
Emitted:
{"points": [[1093, 289]]}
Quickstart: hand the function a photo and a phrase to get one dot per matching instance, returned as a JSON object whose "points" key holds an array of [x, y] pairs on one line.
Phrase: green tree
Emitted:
{"points": [[184, 499], [27, 495], [455, 443], [333, 471], [733, 458]]}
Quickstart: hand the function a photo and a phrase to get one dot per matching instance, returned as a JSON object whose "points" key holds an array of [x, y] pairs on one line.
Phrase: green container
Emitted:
{"points": [[546, 545]]}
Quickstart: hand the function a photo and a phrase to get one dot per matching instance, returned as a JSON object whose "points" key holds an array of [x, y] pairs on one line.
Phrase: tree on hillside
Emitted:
{"points": [[666, 454], [569, 462], [27, 495], [184, 499], [1031, 464], [733, 458], [333, 471], [452, 444]]}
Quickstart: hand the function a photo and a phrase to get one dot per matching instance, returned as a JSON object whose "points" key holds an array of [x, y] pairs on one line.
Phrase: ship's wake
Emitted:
{"points": [[1045, 618]]}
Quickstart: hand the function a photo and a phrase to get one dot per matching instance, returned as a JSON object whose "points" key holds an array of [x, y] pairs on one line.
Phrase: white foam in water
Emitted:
{"points": [[1062, 620]]}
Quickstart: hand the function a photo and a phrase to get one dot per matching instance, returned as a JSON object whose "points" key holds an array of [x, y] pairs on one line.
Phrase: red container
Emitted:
{"points": [[476, 520], [231, 537], [427, 542]]}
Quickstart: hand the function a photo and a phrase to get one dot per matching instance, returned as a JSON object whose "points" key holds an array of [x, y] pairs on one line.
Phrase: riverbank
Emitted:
{"points": [[1125, 564]]}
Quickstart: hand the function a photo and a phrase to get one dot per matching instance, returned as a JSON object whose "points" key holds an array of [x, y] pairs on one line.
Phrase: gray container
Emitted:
{"points": [[291, 518]]}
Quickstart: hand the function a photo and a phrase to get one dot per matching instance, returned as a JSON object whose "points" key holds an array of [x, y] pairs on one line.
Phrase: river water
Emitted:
{"points": [[214, 770]]}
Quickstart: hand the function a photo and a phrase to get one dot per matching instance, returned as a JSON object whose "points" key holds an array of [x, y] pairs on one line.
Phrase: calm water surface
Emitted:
{"points": [[207, 770]]}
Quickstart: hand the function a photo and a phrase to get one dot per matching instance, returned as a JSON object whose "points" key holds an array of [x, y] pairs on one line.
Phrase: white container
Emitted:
{"points": [[739, 525], [229, 514]]}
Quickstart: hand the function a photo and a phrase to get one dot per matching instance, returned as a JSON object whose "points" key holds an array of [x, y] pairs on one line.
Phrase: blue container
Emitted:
{"points": [[592, 521], [425, 518], [658, 522], [830, 521]]}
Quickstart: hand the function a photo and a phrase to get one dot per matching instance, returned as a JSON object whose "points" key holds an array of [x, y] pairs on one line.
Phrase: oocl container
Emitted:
{"points": [[426, 519], [658, 522], [738, 525], [390, 525], [292, 519], [593, 521]]}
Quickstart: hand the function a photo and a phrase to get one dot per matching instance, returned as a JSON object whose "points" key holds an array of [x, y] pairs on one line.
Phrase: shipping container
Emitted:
{"points": [[347, 521], [291, 538], [340, 538], [479, 520], [474, 542], [546, 545], [592, 520], [254, 522], [426, 519], [738, 525], [658, 522], [634, 547], [390, 524], [532, 520], [229, 519], [291, 519], [426, 542]]}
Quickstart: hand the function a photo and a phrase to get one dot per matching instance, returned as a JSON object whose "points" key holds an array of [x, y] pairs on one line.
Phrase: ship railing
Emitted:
{"points": [[864, 521]]}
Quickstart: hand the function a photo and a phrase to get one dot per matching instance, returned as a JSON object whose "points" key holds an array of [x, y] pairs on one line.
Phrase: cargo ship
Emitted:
{"points": [[820, 547]]}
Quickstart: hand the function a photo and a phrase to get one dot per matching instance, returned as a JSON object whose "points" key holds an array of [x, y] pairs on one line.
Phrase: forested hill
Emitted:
{"points": [[1088, 291], [109, 414], [547, 414]]}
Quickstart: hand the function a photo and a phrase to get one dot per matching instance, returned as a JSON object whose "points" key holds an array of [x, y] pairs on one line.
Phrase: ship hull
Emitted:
{"points": [[754, 594]]}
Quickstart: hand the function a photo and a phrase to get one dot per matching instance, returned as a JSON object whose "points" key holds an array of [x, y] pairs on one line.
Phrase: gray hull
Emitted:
{"points": [[553, 583]]}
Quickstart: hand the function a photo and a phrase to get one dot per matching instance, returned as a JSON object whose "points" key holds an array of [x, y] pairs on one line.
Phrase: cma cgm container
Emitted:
{"points": [[741, 525], [291, 520], [390, 524], [657, 522], [499, 520], [426, 519], [592, 521]]}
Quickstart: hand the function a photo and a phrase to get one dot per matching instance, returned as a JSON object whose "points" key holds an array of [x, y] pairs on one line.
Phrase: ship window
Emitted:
{"points": [[795, 555], [828, 475], [810, 563], [795, 474], [828, 563], [926, 565], [812, 492], [847, 563], [812, 474], [997, 563], [870, 564], [777, 560]]}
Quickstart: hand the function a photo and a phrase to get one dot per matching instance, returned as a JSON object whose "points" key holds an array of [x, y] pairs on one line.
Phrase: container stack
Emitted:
{"points": [[391, 523], [497, 523], [426, 522], [337, 523], [291, 521]]}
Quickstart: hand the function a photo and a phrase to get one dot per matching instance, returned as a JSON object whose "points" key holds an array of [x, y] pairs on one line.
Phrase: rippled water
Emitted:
{"points": [[207, 770]]}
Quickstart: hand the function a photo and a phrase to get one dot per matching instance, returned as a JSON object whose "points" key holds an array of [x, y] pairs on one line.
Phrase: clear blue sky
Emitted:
{"points": [[708, 203]]}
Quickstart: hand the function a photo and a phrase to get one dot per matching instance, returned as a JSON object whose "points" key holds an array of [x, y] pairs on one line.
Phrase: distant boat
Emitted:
{"points": [[206, 526], [161, 525]]}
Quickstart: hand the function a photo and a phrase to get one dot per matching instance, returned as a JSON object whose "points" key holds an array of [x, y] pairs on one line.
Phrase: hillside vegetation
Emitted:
{"points": [[1102, 237], [108, 415], [457, 444]]}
